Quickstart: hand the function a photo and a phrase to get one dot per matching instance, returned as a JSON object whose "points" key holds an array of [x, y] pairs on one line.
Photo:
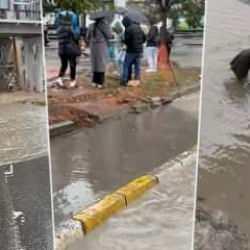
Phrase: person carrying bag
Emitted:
{"points": [[69, 50]]}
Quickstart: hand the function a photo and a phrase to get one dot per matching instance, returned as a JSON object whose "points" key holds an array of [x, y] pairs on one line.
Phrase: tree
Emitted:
{"points": [[191, 10], [48, 6], [79, 6]]}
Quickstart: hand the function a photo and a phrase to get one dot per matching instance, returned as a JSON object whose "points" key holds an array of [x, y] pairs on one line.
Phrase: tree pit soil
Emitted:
{"points": [[86, 105]]}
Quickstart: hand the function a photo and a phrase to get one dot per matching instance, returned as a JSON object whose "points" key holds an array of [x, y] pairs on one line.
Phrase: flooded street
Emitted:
{"points": [[25, 206], [169, 228], [90, 163], [225, 134], [17, 123]]}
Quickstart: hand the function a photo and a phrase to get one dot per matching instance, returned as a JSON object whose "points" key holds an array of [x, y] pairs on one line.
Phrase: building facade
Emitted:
{"points": [[24, 10], [21, 45]]}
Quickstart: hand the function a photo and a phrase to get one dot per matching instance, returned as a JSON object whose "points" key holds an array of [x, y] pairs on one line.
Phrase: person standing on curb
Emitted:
{"points": [[152, 48], [69, 48], [99, 35], [134, 38], [119, 48]]}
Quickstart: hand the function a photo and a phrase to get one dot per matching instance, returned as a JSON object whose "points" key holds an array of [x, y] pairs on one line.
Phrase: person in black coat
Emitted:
{"points": [[68, 52], [134, 38]]}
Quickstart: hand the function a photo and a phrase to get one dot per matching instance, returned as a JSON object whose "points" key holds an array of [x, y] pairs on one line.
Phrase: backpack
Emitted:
{"points": [[69, 18]]}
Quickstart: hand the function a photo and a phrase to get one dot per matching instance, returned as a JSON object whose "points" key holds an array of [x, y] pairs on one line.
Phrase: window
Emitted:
{"points": [[4, 4]]}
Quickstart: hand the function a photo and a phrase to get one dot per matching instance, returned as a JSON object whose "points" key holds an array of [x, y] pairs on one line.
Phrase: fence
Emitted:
{"points": [[20, 10]]}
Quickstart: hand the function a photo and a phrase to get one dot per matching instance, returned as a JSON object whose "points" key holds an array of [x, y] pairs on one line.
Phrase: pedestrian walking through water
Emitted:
{"points": [[99, 34], [152, 48], [69, 49], [134, 38]]}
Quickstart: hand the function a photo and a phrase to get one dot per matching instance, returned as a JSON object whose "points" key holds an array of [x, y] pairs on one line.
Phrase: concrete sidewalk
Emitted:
{"points": [[23, 126]]}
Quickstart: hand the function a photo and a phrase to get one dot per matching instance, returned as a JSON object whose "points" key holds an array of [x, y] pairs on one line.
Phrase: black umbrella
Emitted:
{"points": [[133, 14], [240, 65], [100, 15]]}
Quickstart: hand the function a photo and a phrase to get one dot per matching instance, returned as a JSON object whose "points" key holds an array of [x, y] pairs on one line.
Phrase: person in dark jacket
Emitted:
{"points": [[152, 48], [68, 52], [134, 38], [166, 38], [99, 35]]}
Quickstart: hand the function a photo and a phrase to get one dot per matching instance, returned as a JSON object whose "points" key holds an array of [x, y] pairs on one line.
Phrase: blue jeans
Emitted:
{"points": [[131, 60]]}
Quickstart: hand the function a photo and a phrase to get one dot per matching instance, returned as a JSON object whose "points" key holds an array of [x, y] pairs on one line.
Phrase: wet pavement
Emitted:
{"points": [[225, 135], [187, 51], [25, 195], [89, 163], [140, 227], [23, 131]]}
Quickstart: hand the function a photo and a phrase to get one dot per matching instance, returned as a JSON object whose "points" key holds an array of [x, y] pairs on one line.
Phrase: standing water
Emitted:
{"points": [[225, 135], [92, 162], [162, 219]]}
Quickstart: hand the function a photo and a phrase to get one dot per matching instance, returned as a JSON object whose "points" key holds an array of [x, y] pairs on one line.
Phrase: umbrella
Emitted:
{"points": [[240, 65], [133, 14], [100, 15]]}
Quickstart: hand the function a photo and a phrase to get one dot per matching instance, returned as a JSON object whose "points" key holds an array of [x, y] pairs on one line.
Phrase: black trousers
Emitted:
{"points": [[65, 60], [98, 78]]}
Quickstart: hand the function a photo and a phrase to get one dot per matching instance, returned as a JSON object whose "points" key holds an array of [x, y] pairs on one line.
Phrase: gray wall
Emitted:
{"points": [[24, 61]]}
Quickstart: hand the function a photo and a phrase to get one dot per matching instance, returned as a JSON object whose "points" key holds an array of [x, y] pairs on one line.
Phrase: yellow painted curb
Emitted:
{"points": [[111, 204], [137, 187], [100, 212]]}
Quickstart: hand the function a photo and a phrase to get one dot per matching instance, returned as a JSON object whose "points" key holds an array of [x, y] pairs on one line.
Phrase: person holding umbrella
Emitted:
{"points": [[134, 38], [98, 37]]}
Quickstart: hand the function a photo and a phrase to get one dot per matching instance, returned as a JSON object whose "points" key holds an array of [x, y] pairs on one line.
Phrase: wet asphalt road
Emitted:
{"points": [[92, 162], [27, 191], [225, 135]]}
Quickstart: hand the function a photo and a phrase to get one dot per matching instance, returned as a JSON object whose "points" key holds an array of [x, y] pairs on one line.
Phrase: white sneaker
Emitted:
{"points": [[150, 70], [99, 86], [72, 84], [94, 85], [59, 82]]}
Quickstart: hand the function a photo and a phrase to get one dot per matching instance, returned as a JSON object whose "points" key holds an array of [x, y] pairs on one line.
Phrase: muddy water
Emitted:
{"points": [[92, 162], [140, 227], [225, 135]]}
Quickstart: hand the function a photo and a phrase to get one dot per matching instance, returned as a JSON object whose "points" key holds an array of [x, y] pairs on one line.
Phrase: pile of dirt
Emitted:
{"points": [[68, 104]]}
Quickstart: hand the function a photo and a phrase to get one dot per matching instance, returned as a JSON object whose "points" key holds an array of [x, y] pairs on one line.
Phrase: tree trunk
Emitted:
{"points": [[164, 18], [163, 58]]}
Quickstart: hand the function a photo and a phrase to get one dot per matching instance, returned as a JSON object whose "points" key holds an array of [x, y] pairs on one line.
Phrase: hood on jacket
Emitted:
{"points": [[126, 21]]}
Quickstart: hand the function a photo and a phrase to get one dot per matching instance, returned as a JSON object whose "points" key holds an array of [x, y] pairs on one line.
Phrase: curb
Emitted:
{"points": [[113, 203], [62, 128]]}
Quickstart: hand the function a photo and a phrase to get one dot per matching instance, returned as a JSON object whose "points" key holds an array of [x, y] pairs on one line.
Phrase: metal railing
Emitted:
{"points": [[20, 10]]}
